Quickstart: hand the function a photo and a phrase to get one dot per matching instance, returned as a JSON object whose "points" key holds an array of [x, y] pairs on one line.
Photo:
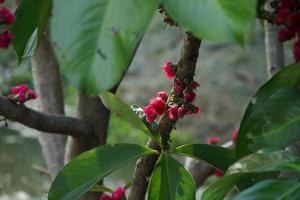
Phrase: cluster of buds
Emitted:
{"points": [[6, 19], [118, 194], [167, 19], [179, 104], [288, 16], [21, 94]]}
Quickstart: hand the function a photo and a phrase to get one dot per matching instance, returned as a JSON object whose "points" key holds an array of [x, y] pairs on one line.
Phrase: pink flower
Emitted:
{"points": [[213, 140], [2, 1], [22, 97], [105, 197], [297, 51], [6, 16], [118, 193], [182, 111], [286, 34], [193, 85], [163, 95], [32, 94], [189, 96], [219, 173], [168, 70], [235, 134], [23, 88], [173, 113], [178, 86], [197, 110], [6, 38], [150, 114], [158, 105]]}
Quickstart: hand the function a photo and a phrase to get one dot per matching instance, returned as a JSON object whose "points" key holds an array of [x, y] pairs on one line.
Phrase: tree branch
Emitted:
{"points": [[43, 122], [185, 74]]}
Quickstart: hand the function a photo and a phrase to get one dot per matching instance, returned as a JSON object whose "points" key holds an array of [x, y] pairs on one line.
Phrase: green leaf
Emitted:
{"points": [[218, 157], [87, 169], [101, 188], [278, 189], [170, 181], [272, 118], [119, 107], [266, 161], [31, 20], [97, 39], [219, 189], [214, 20]]}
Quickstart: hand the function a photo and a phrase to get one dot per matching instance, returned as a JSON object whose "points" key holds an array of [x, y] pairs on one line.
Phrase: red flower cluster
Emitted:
{"points": [[213, 140], [288, 15], [6, 19], [218, 173], [118, 194], [235, 134], [22, 93], [179, 105]]}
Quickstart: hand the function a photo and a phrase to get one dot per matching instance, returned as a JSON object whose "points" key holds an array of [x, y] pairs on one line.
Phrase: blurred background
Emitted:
{"points": [[229, 76]]}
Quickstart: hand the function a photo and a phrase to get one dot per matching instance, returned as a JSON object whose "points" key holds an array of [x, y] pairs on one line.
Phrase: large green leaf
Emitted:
{"points": [[219, 189], [214, 20], [31, 20], [97, 39], [83, 172], [170, 181], [250, 169], [279, 189], [218, 157], [119, 107], [272, 118], [266, 161]]}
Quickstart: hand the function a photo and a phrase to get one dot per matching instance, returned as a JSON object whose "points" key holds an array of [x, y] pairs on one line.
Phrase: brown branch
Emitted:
{"points": [[43, 122], [185, 74]]}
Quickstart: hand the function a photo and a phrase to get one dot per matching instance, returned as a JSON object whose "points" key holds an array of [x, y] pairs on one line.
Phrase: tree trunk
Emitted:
{"points": [[47, 82]]}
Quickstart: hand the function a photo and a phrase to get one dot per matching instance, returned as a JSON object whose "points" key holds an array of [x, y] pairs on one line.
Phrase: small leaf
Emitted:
{"points": [[219, 189], [272, 119], [97, 39], [31, 20], [214, 20], [218, 157], [119, 107], [278, 189], [170, 181], [87, 169], [101, 188]]}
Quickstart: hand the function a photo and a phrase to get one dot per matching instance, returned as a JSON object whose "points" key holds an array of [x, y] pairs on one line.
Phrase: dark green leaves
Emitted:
{"points": [[218, 157], [170, 181], [214, 20], [97, 39], [119, 107], [219, 189], [83, 172], [272, 119], [31, 20], [272, 189]]}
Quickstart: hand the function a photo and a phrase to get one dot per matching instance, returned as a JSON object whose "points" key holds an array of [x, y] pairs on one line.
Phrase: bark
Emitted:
{"points": [[50, 123], [185, 73], [47, 83]]}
